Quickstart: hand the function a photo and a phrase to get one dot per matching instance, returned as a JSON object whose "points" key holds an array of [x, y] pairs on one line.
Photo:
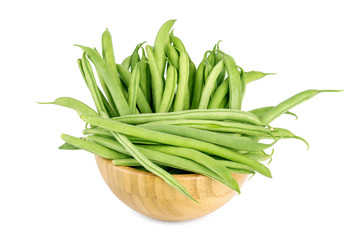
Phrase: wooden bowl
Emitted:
{"points": [[151, 196]]}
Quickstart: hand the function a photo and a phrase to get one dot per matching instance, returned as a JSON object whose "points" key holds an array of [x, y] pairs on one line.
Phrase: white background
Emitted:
{"points": [[46, 193]]}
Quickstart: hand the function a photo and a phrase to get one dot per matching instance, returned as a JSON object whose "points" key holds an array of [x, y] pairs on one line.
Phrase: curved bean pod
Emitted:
{"points": [[110, 79], [169, 91], [162, 38], [195, 114], [172, 54], [219, 95], [198, 85], [157, 82], [261, 111], [93, 147], [182, 88], [210, 84], [74, 104], [211, 137], [291, 102]]}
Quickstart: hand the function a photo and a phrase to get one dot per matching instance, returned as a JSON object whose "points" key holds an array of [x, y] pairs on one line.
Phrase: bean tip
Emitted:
{"points": [[45, 102]]}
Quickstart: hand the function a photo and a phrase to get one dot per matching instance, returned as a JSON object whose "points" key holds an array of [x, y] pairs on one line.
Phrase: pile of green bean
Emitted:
{"points": [[158, 112]]}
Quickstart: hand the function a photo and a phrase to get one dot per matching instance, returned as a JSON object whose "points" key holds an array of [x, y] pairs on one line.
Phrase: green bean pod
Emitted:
{"points": [[192, 75], [234, 82], [198, 85], [195, 114], [162, 38], [135, 58], [145, 81], [172, 55], [110, 79], [68, 146], [127, 162], [74, 104], [182, 88], [109, 58], [126, 62], [133, 88], [291, 102], [210, 85], [261, 111], [174, 140], [141, 100], [219, 95], [255, 75], [211, 137], [93, 147], [169, 91], [224, 102], [157, 82]]}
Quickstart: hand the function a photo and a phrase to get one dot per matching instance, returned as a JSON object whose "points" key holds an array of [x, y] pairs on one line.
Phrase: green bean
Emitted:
{"points": [[110, 79], [198, 85], [74, 104], [157, 83], [261, 111], [182, 88], [108, 108], [172, 55], [210, 85], [96, 131], [108, 51], [258, 156], [126, 62], [145, 81], [246, 128], [255, 75], [162, 38], [235, 165], [200, 158], [128, 162], [192, 75], [150, 166], [219, 95], [133, 87], [68, 146], [281, 133], [91, 83], [240, 171], [234, 82], [109, 58], [179, 45], [211, 137], [224, 102], [164, 159], [169, 91], [176, 141], [242, 84], [135, 58], [226, 129], [92, 147], [195, 114], [291, 102], [140, 98]]}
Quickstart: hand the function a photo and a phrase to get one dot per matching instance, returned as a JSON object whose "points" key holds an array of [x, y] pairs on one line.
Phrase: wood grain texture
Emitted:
{"points": [[153, 197]]}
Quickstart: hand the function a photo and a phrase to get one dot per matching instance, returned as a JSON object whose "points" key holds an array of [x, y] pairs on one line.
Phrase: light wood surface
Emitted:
{"points": [[151, 196]]}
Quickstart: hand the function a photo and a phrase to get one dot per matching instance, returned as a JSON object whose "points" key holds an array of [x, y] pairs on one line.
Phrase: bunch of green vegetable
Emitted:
{"points": [[158, 112]]}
